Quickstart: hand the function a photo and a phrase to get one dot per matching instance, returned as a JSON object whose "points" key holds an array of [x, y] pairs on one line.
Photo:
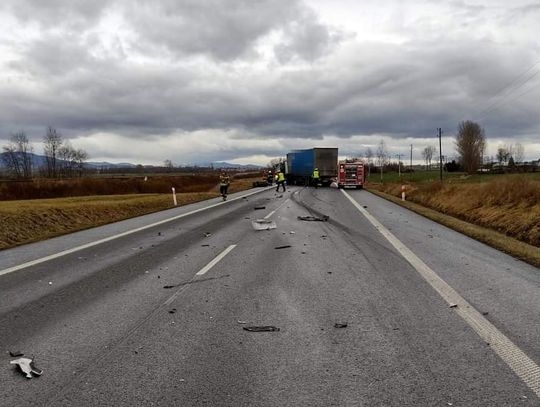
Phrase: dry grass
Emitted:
{"points": [[509, 205], [46, 188], [32, 220]]}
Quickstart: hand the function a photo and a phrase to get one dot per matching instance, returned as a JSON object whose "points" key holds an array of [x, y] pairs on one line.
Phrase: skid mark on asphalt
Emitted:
{"points": [[524, 367]]}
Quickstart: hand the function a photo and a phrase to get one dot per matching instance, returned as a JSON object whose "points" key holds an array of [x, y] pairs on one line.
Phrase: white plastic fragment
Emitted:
{"points": [[27, 367], [263, 224]]}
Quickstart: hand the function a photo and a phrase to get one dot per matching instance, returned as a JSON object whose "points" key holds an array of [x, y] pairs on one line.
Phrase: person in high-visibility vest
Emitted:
{"points": [[224, 182], [280, 180], [315, 177]]}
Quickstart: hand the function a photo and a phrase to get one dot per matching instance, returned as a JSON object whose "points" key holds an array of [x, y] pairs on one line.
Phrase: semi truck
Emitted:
{"points": [[351, 174], [301, 163]]}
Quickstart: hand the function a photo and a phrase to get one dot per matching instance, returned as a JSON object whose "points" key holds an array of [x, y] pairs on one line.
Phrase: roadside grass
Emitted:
{"points": [[448, 177], [25, 221], [501, 210]]}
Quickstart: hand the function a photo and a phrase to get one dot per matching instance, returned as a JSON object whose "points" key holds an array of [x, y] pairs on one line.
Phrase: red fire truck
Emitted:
{"points": [[351, 174]]}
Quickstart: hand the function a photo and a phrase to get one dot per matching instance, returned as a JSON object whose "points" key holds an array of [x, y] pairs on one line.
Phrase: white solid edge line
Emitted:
{"points": [[524, 367], [216, 260], [126, 233]]}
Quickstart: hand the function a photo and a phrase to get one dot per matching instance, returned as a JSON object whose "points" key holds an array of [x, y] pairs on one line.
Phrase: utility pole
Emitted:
{"points": [[410, 166], [398, 155], [440, 153]]}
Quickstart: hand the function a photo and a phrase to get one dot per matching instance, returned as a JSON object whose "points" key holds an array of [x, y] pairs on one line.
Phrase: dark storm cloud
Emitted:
{"points": [[185, 66]]}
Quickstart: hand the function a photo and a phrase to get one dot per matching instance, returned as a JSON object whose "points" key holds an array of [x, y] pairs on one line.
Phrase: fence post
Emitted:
{"points": [[403, 192]]}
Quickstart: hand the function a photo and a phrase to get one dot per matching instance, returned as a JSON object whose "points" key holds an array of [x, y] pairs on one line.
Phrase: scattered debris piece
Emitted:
{"points": [[15, 354], [159, 233], [364, 206], [310, 218], [263, 224], [324, 236], [172, 311], [283, 247], [242, 322], [279, 196], [247, 217], [485, 313], [303, 252], [27, 366], [340, 325], [329, 272], [205, 245], [430, 236], [292, 232], [258, 208], [395, 329], [453, 305], [268, 328], [50, 282], [170, 286], [207, 234], [146, 271]]}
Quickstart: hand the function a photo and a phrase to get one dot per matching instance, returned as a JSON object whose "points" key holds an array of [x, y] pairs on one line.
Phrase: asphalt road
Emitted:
{"points": [[106, 332]]}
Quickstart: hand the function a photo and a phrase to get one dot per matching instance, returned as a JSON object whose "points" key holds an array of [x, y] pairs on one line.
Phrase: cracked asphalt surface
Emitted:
{"points": [[102, 327]]}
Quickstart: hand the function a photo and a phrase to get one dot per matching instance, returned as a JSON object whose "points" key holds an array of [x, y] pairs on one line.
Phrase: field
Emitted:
{"points": [[25, 221], [506, 204]]}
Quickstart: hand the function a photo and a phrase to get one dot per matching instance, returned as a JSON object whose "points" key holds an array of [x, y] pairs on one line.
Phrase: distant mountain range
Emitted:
{"points": [[40, 161]]}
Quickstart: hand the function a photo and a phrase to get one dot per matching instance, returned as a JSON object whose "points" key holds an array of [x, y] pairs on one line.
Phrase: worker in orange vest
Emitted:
{"points": [[224, 182]]}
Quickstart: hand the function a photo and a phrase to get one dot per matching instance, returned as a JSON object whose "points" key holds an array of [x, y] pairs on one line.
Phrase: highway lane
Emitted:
{"points": [[103, 333]]}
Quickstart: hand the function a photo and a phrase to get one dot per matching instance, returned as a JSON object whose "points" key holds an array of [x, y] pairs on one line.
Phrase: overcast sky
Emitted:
{"points": [[243, 81]]}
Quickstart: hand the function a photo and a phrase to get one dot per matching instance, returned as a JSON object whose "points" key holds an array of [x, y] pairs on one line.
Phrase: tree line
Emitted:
{"points": [[470, 146], [62, 160]]}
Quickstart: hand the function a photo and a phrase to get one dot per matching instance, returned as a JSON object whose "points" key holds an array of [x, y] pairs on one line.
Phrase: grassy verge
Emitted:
{"points": [[500, 241], [26, 221]]}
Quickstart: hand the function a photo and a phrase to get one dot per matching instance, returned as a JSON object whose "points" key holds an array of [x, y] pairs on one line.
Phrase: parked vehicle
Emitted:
{"points": [[351, 174], [301, 163]]}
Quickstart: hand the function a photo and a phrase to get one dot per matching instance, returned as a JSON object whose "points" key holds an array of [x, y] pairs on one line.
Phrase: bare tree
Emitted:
{"points": [[18, 156], [382, 156], [168, 164], [52, 142], [470, 145], [519, 153], [427, 154], [369, 158]]}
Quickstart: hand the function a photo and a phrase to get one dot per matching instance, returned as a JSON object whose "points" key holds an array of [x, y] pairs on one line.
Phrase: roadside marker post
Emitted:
{"points": [[174, 196]]}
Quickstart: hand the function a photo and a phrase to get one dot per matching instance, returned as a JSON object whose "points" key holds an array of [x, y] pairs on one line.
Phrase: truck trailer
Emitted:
{"points": [[301, 163]]}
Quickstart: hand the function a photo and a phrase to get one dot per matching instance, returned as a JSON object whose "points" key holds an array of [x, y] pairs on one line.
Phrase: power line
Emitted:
{"points": [[507, 90]]}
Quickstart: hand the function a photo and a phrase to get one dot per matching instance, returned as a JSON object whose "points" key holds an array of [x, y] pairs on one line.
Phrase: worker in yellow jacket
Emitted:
{"points": [[280, 180], [315, 178]]}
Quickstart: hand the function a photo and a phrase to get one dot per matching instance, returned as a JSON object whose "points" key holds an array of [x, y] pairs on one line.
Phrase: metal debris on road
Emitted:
{"points": [[279, 196], [283, 247], [292, 232], [263, 224], [205, 245], [453, 306], [15, 354], [364, 206], [172, 311], [267, 328], [258, 208], [322, 218], [485, 313], [27, 367], [207, 234], [340, 325], [242, 322]]}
